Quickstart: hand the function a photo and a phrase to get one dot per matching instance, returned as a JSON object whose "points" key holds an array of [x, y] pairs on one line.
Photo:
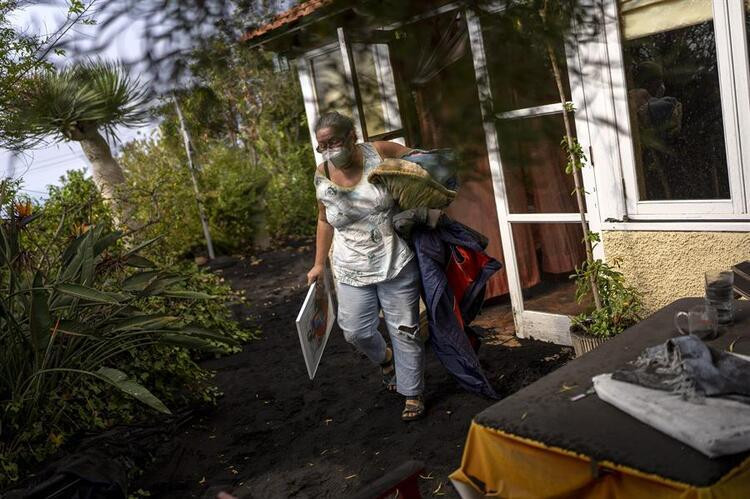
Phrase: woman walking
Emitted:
{"points": [[374, 268]]}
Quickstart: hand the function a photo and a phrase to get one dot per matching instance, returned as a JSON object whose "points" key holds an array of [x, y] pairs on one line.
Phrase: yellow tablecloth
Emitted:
{"points": [[498, 464]]}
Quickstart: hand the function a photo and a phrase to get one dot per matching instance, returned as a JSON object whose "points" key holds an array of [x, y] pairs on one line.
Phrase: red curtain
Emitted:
{"points": [[448, 114], [449, 122]]}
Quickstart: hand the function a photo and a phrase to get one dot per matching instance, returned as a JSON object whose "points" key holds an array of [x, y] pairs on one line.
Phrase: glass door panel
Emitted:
{"points": [[523, 101], [534, 165], [370, 89], [377, 89], [329, 81], [519, 67], [550, 253]]}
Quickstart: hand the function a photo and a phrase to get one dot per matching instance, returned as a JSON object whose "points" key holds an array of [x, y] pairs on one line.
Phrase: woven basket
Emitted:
{"points": [[583, 343]]}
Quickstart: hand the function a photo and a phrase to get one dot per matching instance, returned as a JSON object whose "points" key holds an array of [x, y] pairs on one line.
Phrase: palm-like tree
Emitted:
{"points": [[83, 102]]}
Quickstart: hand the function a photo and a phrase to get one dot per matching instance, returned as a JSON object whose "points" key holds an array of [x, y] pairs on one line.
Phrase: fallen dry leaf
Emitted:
{"points": [[438, 490], [731, 345]]}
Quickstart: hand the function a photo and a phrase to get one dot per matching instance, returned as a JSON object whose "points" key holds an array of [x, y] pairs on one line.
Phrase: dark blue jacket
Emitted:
{"points": [[448, 339]]}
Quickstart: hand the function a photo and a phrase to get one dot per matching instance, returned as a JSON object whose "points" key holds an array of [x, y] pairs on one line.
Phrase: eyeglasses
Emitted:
{"points": [[322, 146]]}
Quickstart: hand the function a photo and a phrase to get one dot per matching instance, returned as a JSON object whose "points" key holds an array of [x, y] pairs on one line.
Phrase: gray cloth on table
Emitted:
{"points": [[688, 367]]}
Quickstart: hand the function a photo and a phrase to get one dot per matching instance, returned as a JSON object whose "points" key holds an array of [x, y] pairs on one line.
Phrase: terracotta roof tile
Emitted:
{"points": [[291, 15]]}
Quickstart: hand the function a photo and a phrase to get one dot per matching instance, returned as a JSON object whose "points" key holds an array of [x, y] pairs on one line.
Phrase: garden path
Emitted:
{"points": [[277, 434]]}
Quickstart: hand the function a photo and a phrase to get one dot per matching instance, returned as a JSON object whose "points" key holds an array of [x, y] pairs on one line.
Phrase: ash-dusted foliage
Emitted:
{"points": [[92, 332], [251, 149], [66, 104]]}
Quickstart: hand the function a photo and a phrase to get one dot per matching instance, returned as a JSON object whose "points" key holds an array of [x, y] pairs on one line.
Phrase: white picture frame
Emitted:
{"points": [[315, 322]]}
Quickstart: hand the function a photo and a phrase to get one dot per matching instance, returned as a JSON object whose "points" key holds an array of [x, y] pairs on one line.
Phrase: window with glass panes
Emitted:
{"points": [[685, 67]]}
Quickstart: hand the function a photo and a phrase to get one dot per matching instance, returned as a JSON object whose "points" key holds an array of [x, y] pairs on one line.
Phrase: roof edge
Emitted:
{"points": [[287, 17]]}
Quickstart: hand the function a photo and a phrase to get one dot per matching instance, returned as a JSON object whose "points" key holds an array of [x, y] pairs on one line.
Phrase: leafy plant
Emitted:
{"points": [[74, 327], [77, 204], [290, 197], [209, 314], [248, 127], [617, 306], [621, 305]]}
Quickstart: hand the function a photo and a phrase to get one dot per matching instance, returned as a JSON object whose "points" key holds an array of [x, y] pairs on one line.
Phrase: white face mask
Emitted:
{"points": [[338, 156]]}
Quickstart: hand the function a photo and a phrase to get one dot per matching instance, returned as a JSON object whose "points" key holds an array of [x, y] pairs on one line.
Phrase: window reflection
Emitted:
{"points": [[519, 67], [534, 165], [674, 99], [330, 83]]}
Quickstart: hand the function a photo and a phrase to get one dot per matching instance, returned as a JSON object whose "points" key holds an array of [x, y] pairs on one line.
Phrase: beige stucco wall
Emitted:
{"points": [[665, 266]]}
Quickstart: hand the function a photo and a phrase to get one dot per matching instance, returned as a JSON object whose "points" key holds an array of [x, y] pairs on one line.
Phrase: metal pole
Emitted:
{"points": [[191, 169]]}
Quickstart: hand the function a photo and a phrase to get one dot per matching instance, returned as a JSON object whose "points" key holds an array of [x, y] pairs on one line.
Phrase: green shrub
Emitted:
{"points": [[92, 333], [622, 305], [69, 208], [234, 195], [162, 197], [232, 192], [210, 314], [250, 139], [242, 198], [290, 197]]}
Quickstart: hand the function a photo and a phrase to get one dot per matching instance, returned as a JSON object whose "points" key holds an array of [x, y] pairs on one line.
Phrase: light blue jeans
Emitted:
{"points": [[399, 300]]}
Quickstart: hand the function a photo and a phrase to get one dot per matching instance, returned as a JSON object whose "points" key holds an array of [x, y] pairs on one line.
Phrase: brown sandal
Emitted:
{"points": [[413, 409]]}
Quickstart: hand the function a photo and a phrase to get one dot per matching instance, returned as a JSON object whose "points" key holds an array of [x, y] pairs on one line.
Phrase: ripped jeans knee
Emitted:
{"points": [[411, 332]]}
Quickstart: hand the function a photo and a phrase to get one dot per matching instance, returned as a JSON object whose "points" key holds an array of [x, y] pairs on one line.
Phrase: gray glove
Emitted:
{"points": [[405, 221]]}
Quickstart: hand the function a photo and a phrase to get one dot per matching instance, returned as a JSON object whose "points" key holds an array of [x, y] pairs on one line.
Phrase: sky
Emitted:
{"points": [[126, 41], [43, 166]]}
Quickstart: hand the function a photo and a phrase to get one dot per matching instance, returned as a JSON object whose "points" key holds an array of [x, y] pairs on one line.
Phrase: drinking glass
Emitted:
{"points": [[702, 321], [720, 295]]}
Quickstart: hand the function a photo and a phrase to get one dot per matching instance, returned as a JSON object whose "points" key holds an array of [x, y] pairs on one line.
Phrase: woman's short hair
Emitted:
{"points": [[340, 125]]}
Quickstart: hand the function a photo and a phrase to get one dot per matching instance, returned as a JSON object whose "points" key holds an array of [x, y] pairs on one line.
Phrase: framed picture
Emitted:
{"points": [[315, 321]]}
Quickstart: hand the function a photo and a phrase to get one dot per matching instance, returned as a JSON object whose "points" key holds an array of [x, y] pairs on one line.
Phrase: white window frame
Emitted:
{"points": [[309, 95], [386, 80], [736, 12], [732, 60], [382, 56]]}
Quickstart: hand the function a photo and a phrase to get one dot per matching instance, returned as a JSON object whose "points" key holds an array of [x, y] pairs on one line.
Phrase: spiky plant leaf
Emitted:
{"points": [[195, 295], [120, 380], [40, 321], [69, 103], [86, 293], [121, 100]]}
